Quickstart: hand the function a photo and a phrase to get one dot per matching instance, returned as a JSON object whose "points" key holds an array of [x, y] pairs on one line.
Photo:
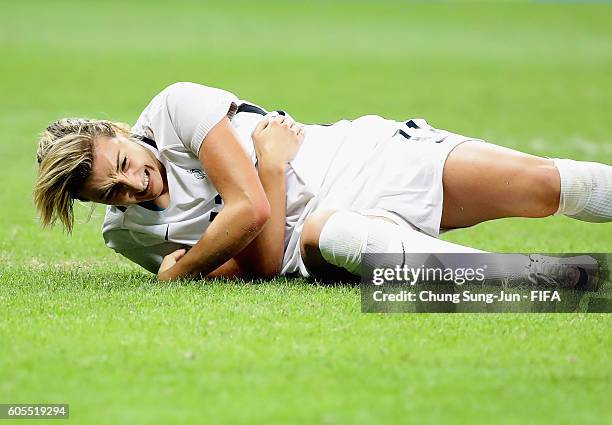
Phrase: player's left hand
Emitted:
{"points": [[169, 261], [277, 138]]}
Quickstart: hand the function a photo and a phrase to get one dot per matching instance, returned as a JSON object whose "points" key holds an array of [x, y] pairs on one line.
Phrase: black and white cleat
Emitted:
{"points": [[580, 272]]}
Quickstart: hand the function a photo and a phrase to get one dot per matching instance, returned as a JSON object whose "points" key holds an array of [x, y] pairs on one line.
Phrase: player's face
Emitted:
{"points": [[123, 173]]}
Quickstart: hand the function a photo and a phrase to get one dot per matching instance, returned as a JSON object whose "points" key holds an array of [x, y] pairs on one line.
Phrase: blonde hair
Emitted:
{"points": [[65, 158]]}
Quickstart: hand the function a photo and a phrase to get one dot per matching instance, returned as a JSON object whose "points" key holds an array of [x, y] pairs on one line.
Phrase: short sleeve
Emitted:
{"points": [[195, 109]]}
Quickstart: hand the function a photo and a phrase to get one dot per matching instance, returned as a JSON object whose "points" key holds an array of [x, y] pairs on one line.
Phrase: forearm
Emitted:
{"points": [[276, 142], [264, 256], [228, 270], [233, 229]]}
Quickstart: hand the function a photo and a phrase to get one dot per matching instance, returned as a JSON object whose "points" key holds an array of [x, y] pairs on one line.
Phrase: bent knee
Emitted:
{"points": [[312, 256], [311, 232]]}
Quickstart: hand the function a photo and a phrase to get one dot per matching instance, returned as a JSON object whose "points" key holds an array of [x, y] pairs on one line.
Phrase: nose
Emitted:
{"points": [[131, 181]]}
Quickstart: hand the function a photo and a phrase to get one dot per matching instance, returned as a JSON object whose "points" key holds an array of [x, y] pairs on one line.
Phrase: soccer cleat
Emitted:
{"points": [[579, 272]]}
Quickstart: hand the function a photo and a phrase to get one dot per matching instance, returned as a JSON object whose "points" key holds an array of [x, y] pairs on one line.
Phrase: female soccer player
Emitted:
{"points": [[207, 185]]}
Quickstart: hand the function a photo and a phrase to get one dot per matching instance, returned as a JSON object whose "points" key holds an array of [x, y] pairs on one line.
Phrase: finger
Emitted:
{"points": [[279, 119], [178, 253], [301, 134], [290, 122], [261, 125], [287, 124]]}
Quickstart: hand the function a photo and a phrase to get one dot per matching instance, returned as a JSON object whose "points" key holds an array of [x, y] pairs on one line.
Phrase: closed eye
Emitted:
{"points": [[124, 163], [109, 194]]}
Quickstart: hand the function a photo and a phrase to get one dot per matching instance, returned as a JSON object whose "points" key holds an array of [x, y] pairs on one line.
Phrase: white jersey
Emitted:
{"points": [[178, 120], [362, 164]]}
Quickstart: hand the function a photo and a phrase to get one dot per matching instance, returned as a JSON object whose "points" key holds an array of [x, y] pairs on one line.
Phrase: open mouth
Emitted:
{"points": [[146, 183]]}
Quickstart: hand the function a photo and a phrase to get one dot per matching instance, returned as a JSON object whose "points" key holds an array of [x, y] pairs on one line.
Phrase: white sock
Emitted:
{"points": [[586, 190], [343, 239], [347, 235]]}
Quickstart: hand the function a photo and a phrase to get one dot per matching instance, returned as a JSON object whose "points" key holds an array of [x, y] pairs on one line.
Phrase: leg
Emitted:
{"points": [[309, 248], [586, 190], [332, 244], [483, 181]]}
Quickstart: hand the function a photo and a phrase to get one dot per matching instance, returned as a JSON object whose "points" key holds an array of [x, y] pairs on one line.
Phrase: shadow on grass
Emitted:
{"points": [[108, 277]]}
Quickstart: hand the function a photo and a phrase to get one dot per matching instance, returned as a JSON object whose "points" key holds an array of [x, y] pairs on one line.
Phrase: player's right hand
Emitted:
{"points": [[277, 138], [169, 261]]}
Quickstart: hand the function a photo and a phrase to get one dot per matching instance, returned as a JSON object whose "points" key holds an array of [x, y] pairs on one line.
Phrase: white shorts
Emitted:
{"points": [[380, 167]]}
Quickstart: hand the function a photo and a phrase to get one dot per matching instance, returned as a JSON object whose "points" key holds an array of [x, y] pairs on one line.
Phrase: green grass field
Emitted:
{"points": [[80, 325]]}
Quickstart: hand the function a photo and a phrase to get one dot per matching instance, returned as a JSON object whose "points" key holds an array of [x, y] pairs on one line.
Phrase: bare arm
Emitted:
{"points": [[276, 142], [243, 216]]}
